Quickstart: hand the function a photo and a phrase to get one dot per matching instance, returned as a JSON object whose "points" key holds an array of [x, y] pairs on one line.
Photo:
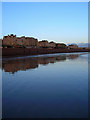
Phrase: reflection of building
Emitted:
{"points": [[46, 60], [31, 63], [73, 56], [61, 58], [20, 64]]}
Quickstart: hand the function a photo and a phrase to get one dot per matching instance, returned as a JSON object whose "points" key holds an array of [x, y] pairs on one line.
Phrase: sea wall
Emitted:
{"points": [[36, 51]]}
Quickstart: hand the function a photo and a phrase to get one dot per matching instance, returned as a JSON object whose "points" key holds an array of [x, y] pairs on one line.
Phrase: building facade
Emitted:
{"points": [[31, 42], [43, 44], [12, 40], [72, 46], [61, 45], [52, 44], [9, 40]]}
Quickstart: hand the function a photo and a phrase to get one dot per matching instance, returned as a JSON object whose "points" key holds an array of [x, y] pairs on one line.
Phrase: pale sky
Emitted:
{"points": [[53, 21]]}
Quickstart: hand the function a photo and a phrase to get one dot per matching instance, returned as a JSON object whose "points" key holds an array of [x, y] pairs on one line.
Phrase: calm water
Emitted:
{"points": [[50, 86]]}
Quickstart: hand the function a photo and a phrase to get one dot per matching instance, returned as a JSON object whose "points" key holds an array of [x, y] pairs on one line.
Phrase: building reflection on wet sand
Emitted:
{"points": [[24, 64]]}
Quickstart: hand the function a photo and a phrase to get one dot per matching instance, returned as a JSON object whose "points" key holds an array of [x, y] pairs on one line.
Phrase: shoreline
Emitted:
{"points": [[16, 52]]}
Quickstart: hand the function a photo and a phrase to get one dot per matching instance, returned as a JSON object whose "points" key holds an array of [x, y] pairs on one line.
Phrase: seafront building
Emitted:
{"points": [[30, 42], [72, 46], [0, 43], [52, 44], [9, 40], [44, 44], [12, 40], [20, 41], [60, 45], [27, 42]]}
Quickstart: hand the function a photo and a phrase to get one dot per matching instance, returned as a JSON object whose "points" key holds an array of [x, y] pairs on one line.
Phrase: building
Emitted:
{"points": [[31, 42], [43, 44], [13, 41], [23, 40], [9, 40], [20, 41], [61, 45], [58, 45], [0, 43], [72, 46], [52, 44]]}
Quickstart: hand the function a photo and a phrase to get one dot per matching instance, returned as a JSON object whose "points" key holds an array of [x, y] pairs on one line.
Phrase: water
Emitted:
{"points": [[45, 86]]}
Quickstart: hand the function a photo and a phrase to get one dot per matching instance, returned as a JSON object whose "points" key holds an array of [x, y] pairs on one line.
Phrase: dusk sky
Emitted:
{"points": [[65, 22]]}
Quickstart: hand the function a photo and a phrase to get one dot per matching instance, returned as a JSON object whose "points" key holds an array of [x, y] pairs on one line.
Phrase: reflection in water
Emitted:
{"points": [[24, 64], [57, 90]]}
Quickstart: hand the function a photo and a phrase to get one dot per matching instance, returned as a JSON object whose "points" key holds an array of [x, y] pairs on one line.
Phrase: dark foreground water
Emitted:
{"points": [[45, 86]]}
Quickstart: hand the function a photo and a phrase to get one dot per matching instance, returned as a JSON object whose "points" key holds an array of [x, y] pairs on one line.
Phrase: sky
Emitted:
{"points": [[45, 0], [65, 22]]}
